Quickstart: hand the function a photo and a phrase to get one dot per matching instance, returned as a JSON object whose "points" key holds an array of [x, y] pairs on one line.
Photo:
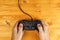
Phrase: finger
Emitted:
{"points": [[15, 28], [44, 26], [20, 28], [45, 31], [41, 32], [14, 31], [20, 32]]}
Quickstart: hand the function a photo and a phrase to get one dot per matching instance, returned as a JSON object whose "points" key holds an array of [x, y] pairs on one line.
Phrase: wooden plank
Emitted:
{"points": [[47, 10]]}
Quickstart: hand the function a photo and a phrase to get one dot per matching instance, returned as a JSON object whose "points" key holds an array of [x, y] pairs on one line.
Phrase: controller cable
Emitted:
{"points": [[24, 11]]}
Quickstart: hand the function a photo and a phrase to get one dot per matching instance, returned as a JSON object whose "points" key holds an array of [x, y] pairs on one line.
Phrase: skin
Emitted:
{"points": [[17, 34]]}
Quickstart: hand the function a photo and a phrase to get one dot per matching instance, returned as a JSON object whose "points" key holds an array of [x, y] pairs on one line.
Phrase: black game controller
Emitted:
{"points": [[30, 25]]}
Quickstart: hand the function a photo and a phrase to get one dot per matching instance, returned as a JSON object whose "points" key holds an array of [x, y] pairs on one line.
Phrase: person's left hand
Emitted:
{"points": [[17, 32]]}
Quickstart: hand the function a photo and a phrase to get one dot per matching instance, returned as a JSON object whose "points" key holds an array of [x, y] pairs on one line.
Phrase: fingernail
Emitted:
{"points": [[21, 25], [39, 25]]}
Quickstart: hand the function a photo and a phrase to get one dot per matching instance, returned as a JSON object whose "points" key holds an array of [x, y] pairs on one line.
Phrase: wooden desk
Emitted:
{"points": [[47, 10]]}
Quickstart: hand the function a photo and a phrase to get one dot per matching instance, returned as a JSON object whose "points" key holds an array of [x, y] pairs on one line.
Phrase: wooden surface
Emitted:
{"points": [[47, 10]]}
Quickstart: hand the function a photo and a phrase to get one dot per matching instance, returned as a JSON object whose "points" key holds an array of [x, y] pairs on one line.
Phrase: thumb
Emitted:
{"points": [[41, 32], [20, 32]]}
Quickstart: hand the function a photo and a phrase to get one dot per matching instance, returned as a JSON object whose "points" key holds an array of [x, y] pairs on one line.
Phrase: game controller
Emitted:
{"points": [[30, 25]]}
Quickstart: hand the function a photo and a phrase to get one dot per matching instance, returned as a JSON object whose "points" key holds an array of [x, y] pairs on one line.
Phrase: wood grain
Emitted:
{"points": [[46, 10]]}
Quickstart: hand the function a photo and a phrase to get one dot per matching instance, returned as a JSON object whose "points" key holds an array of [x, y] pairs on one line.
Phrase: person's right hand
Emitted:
{"points": [[43, 34]]}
